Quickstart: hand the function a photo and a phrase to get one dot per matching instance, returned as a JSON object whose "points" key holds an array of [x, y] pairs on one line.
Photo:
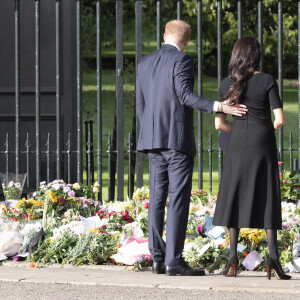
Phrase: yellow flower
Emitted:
{"points": [[148, 195], [35, 202], [52, 197], [20, 203], [94, 230], [76, 186], [136, 197], [95, 189]]}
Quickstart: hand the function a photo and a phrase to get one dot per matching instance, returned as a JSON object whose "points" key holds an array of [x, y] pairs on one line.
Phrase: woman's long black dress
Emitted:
{"points": [[249, 193]]}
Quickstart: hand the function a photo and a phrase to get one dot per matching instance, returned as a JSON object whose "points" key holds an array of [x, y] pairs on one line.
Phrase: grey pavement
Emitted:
{"points": [[18, 281]]}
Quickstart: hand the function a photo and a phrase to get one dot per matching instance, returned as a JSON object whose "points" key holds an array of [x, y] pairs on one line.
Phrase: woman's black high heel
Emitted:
{"points": [[231, 268], [273, 267]]}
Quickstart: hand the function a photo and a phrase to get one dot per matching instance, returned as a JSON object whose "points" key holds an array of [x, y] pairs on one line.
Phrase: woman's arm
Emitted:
{"points": [[279, 118], [221, 123]]}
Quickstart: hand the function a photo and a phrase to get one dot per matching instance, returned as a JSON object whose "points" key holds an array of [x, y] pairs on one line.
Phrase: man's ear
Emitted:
{"points": [[165, 37], [186, 43]]}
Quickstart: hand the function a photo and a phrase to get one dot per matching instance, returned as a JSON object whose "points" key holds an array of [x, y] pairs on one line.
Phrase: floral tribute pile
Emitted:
{"points": [[65, 223]]}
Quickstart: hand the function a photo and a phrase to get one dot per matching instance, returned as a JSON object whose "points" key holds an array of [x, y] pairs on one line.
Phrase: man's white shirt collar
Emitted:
{"points": [[173, 45]]}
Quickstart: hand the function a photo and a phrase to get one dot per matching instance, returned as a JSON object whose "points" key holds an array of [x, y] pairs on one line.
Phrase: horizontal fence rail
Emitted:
{"points": [[91, 154]]}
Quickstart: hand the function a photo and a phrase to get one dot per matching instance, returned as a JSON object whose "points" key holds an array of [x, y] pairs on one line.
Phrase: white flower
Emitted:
{"points": [[96, 184], [76, 186], [31, 227], [75, 227], [11, 184], [56, 186], [17, 185], [34, 194], [95, 189]]}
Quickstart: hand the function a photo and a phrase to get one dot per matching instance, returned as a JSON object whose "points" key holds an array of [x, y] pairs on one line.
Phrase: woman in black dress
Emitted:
{"points": [[249, 194]]}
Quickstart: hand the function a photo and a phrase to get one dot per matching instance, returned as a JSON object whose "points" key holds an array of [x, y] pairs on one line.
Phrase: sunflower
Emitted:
{"points": [[52, 197]]}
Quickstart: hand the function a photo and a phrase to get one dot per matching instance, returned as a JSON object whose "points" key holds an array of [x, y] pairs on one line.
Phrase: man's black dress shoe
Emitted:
{"points": [[183, 269], [158, 268]]}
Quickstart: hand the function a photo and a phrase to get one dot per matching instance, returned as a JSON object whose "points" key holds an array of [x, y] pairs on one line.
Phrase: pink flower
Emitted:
{"points": [[71, 194], [200, 228], [16, 258], [284, 181], [280, 162]]}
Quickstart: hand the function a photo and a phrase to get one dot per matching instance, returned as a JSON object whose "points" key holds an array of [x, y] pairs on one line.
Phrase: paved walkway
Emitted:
{"points": [[124, 277]]}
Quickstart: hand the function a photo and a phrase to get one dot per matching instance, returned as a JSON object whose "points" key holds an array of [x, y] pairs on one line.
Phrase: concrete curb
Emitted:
{"points": [[122, 276]]}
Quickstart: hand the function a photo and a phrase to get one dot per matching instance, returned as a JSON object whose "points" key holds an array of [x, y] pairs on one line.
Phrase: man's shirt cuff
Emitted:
{"points": [[216, 106]]}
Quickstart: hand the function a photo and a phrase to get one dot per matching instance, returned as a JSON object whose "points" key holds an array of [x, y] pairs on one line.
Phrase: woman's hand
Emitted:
{"points": [[279, 118], [221, 123]]}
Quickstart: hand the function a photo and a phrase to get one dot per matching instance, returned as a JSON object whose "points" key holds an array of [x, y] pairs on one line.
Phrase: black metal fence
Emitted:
{"points": [[115, 151]]}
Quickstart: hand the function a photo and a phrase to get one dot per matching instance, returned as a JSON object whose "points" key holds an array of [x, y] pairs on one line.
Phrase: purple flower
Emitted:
{"points": [[71, 194], [66, 189]]}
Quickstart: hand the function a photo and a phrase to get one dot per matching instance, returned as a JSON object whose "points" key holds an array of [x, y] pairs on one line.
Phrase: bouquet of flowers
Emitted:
{"points": [[12, 185]]}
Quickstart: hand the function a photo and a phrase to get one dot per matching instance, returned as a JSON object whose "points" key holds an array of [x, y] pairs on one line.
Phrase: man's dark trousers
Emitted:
{"points": [[170, 170]]}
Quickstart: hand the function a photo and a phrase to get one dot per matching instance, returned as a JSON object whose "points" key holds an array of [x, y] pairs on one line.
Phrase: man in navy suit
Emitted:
{"points": [[164, 105]]}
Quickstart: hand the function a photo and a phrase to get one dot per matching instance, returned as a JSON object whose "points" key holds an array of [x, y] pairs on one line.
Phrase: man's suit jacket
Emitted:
{"points": [[165, 101]]}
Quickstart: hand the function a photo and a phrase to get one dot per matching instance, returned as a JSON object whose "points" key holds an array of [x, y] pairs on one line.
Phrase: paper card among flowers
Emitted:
{"points": [[252, 261]]}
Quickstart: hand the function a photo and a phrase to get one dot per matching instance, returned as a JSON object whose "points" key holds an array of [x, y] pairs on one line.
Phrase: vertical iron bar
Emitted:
{"points": [[260, 30], [79, 91], [58, 90], [299, 77], [99, 100], [27, 144], [179, 5], [17, 83], [111, 187], [200, 133], [48, 158], [210, 161], [89, 159], [37, 93], [138, 56], [86, 148], [6, 155], [280, 75], [92, 151], [130, 192], [119, 100], [296, 164], [240, 18], [291, 151], [69, 157], [220, 71], [158, 24]]}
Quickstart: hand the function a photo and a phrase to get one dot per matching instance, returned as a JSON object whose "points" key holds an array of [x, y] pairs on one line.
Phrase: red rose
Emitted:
{"points": [[127, 219], [62, 200], [112, 213], [146, 205], [245, 253], [124, 213]]}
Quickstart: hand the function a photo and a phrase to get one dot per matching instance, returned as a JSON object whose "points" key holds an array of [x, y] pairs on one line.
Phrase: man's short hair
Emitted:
{"points": [[180, 29]]}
